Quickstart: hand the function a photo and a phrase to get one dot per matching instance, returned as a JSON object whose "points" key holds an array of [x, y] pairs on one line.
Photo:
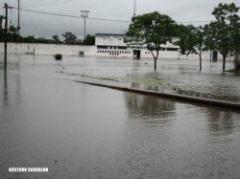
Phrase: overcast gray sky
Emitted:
{"points": [[46, 26]]}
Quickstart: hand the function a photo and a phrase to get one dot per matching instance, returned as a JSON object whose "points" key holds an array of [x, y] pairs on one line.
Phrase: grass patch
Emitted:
{"points": [[143, 80], [100, 78], [146, 81], [235, 72]]}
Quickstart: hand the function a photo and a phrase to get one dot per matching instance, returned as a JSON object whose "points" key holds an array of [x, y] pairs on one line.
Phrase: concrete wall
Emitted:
{"points": [[48, 49], [51, 49], [175, 55]]}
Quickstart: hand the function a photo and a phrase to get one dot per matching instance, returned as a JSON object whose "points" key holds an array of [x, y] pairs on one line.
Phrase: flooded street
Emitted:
{"points": [[82, 131]]}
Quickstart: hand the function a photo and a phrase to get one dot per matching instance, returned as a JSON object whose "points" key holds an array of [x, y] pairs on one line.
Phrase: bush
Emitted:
{"points": [[58, 56]]}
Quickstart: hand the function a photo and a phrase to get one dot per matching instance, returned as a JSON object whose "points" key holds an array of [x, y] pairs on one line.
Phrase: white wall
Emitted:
{"points": [[52, 49], [176, 55], [48, 49]]}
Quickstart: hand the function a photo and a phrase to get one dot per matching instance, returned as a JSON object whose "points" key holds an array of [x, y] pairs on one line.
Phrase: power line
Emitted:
{"points": [[98, 19], [69, 16], [42, 3], [29, 3]]}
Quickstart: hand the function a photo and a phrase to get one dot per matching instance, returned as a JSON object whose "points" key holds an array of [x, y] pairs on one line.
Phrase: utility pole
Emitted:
{"points": [[18, 26], [5, 36], [84, 15], [134, 8]]}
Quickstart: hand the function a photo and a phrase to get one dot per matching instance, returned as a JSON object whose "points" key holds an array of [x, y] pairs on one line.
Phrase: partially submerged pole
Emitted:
{"points": [[18, 26], [5, 37], [18, 23]]}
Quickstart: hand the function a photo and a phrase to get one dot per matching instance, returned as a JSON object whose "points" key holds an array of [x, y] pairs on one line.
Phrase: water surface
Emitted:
{"points": [[82, 131]]}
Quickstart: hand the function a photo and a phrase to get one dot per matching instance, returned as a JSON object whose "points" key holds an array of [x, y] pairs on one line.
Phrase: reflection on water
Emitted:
{"points": [[5, 89], [144, 105], [220, 122], [82, 131]]}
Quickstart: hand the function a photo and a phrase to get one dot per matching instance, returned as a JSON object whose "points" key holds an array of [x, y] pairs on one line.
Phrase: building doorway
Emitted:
{"points": [[215, 56], [137, 54]]}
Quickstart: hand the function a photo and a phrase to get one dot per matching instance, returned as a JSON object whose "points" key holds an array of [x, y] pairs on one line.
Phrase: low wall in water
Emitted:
{"points": [[74, 50], [48, 49]]}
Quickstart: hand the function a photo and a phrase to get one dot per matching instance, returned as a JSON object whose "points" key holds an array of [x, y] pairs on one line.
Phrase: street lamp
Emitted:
{"points": [[134, 8], [84, 15]]}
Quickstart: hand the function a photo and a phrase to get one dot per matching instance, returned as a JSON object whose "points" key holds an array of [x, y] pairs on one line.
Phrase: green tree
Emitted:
{"points": [[89, 40], [234, 20], [1, 20], [56, 39], [1, 30], [12, 35], [69, 38], [153, 29], [209, 39], [12, 29], [182, 34], [191, 41], [29, 39], [42, 40], [220, 34]]}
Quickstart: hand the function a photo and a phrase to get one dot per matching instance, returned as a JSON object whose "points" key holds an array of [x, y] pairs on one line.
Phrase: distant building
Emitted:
{"points": [[111, 41], [114, 45], [109, 45]]}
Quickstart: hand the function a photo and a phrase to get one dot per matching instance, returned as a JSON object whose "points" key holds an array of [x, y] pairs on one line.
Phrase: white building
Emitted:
{"points": [[113, 45], [106, 45]]}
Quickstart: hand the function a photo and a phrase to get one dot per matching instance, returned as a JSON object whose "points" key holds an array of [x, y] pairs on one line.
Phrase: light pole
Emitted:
{"points": [[5, 36], [18, 25], [84, 15], [134, 7]]}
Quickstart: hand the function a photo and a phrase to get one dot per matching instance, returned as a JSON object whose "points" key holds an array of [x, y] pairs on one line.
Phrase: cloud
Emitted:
{"points": [[43, 25]]}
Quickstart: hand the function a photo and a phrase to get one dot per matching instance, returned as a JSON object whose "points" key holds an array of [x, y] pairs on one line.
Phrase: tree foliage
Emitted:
{"points": [[69, 38], [153, 29], [56, 39], [89, 40], [1, 19], [223, 33], [191, 41]]}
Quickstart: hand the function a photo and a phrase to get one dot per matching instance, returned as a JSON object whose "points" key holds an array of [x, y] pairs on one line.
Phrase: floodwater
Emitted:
{"points": [[173, 75], [82, 131]]}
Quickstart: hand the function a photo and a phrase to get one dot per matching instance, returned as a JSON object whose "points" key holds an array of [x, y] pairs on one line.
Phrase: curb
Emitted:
{"points": [[207, 101]]}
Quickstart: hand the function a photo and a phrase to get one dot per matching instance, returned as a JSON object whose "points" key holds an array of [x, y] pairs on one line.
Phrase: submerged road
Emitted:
{"points": [[82, 131]]}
